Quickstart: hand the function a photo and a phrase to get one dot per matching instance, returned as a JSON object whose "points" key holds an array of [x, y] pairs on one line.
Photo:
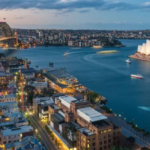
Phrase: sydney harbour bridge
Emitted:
{"points": [[6, 35]]}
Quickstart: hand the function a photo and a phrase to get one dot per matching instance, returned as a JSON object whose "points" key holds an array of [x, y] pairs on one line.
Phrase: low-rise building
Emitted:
{"points": [[7, 98], [5, 78], [15, 134], [40, 106], [39, 86], [10, 104]]}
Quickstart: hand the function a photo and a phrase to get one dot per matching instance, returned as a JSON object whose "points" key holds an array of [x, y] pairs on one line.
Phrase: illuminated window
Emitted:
{"points": [[109, 130], [105, 131], [88, 145]]}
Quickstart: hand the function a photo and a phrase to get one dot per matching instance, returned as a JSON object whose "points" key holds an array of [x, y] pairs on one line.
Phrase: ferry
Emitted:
{"points": [[110, 51], [66, 53], [138, 76], [97, 46], [128, 61]]}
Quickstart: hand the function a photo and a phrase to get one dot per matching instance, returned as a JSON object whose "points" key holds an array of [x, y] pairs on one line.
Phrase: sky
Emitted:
{"points": [[76, 14]]}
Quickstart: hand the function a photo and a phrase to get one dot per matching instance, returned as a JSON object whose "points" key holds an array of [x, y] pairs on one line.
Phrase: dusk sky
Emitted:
{"points": [[76, 14]]}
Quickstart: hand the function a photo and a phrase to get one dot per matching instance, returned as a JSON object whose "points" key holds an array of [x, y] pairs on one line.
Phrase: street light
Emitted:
{"points": [[36, 130]]}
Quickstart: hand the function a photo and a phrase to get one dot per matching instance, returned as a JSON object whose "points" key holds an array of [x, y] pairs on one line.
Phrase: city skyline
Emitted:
{"points": [[75, 14]]}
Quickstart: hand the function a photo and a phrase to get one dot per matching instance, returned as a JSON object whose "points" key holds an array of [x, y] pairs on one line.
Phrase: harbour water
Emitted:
{"points": [[107, 74]]}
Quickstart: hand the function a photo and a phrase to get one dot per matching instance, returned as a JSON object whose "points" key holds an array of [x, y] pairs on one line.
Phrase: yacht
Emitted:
{"points": [[66, 53], [128, 61]]}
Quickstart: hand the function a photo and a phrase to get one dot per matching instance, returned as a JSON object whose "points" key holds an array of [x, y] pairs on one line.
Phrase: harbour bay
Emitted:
{"points": [[107, 74]]}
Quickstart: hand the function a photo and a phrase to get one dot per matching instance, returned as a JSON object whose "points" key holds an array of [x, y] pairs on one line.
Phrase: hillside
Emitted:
{"points": [[5, 30]]}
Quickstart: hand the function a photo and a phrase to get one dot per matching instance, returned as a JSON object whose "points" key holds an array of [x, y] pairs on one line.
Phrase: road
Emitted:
{"points": [[127, 130], [7, 38], [43, 134]]}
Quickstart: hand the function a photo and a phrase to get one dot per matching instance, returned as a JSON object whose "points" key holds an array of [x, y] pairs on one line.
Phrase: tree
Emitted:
{"points": [[107, 110], [52, 136], [93, 97], [30, 93], [145, 148], [147, 134], [131, 139], [47, 92], [119, 148]]}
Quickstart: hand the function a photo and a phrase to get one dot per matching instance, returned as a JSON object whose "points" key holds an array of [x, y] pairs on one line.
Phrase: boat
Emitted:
{"points": [[110, 51], [128, 61], [66, 53], [138, 76], [97, 46]]}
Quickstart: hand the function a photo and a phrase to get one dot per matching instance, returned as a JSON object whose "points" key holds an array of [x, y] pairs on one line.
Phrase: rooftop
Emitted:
{"points": [[54, 106], [80, 101], [39, 83], [59, 73], [100, 123], [9, 104], [17, 131], [58, 117], [66, 100], [3, 74], [23, 70], [86, 131], [54, 80], [8, 96], [44, 100], [90, 114]]}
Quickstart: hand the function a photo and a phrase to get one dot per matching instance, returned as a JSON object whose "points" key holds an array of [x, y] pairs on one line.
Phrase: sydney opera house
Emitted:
{"points": [[143, 52]]}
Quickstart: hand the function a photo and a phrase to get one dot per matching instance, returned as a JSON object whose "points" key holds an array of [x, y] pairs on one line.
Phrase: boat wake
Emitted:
{"points": [[89, 58], [144, 108], [76, 48], [69, 53]]}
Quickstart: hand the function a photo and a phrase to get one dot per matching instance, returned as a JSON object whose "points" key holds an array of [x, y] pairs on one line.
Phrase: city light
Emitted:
{"points": [[36, 130]]}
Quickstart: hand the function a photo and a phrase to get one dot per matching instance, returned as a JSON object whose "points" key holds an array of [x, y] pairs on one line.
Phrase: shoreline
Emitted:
{"points": [[139, 58]]}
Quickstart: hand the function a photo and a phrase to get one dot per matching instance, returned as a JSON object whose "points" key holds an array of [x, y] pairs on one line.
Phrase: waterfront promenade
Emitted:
{"points": [[127, 129]]}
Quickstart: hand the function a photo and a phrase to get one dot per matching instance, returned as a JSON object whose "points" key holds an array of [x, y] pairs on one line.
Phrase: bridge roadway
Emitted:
{"points": [[7, 38]]}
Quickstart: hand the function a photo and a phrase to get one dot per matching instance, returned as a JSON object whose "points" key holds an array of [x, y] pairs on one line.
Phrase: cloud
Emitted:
{"points": [[84, 11], [67, 4], [19, 17]]}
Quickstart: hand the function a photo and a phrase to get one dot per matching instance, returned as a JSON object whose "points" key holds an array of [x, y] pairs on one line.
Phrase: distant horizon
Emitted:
{"points": [[80, 29], [77, 14]]}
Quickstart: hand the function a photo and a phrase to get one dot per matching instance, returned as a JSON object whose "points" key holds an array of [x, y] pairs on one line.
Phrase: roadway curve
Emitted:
{"points": [[7, 38]]}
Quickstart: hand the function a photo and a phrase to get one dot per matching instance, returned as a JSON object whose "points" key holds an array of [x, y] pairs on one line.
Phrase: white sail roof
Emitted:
{"points": [[144, 48]]}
